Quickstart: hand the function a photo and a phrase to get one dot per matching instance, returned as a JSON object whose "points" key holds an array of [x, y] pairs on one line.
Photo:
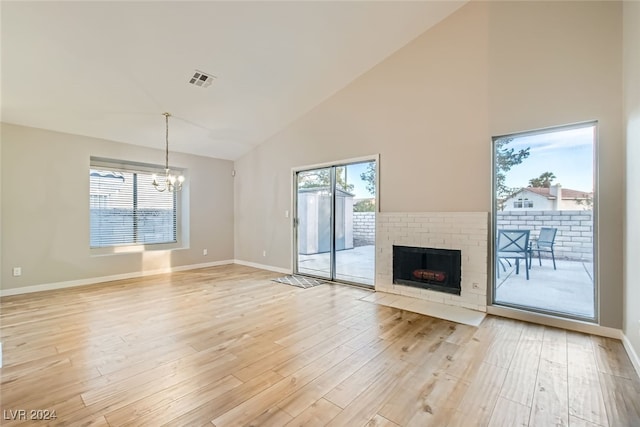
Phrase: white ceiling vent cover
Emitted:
{"points": [[202, 79]]}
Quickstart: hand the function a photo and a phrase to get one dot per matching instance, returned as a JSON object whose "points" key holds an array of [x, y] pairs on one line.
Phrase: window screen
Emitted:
{"points": [[127, 210]]}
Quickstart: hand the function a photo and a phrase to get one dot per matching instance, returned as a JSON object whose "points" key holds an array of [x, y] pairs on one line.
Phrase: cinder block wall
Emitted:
{"points": [[574, 239], [364, 228]]}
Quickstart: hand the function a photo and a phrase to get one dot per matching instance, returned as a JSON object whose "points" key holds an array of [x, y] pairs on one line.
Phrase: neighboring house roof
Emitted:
{"points": [[567, 193]]}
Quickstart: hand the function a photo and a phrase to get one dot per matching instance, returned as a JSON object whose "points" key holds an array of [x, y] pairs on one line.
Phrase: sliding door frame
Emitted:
{"points": [[294, 210]]}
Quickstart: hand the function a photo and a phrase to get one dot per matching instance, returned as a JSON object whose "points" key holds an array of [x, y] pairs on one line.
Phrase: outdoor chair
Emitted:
{"points": [[544, 243], [514, 244]]}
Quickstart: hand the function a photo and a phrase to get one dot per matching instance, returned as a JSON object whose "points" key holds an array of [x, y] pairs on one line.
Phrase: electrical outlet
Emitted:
{"points": [[205, 252], [264, 253], [286, 214], [476, 285], [17, 271]]}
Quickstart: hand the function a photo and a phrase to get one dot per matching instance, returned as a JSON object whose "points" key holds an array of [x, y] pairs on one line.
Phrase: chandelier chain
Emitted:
{"points": [[171, 183], [166, 156]]}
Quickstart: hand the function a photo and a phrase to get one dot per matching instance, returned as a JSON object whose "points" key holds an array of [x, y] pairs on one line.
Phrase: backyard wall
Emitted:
{"points": [[364, 228], [574, 239]]}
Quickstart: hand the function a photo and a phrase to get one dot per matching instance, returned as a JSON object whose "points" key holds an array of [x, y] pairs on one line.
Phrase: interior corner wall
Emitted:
{"points": [[631, 26], [45, 209], [431, 108]]}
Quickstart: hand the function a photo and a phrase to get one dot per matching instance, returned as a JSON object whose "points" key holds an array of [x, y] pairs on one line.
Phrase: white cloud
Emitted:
{"points": [[563, 140]]}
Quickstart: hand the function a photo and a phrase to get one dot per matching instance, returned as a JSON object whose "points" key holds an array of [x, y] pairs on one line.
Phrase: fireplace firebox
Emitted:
{"points": [[427, 268]]}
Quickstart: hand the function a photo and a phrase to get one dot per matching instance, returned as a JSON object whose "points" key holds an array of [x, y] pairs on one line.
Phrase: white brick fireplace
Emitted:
{"points": [[464, 231]]}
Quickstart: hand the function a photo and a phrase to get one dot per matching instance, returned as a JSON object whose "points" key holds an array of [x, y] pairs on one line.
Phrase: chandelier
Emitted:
{"points": [[170, 182]]}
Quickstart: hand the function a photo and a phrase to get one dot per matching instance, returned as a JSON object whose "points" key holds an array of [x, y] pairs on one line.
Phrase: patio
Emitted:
{"points": [[352, 265], [569, 289]]}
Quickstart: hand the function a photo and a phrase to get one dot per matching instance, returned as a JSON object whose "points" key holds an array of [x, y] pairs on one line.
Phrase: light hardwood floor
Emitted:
{"points": [[227, 346]]}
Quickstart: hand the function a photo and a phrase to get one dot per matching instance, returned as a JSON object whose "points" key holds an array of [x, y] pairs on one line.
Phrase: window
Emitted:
{"points": [[520, 203], [125, 208], [534, 163]]}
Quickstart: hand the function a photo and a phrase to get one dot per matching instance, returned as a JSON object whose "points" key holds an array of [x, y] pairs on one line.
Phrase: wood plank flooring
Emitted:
{"points": [[226, 346]]}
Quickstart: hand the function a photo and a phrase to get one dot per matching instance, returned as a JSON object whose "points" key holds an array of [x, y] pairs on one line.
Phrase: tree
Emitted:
{"points": [[365, 205], [320, 178], [586, 202], [506, 158], [369, 176], [543, 181]]}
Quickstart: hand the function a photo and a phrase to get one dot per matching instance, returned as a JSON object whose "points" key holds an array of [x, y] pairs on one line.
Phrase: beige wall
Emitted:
{"points": [[1, 268], [554, 63], [45, 208], [632, 113], [431, 108], [415, 109]]}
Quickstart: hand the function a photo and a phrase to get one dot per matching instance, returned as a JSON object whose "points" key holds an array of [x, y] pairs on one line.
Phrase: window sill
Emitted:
{"points": [[132, 249]]}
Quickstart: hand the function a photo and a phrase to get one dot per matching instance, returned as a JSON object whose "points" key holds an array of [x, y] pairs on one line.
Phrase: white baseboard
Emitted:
{"points": [[635, 359], [262, 266], [557, 322], [94, 280]]}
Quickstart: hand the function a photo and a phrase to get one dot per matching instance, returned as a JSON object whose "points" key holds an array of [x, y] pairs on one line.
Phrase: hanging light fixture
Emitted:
{"points": [[172, 183]]}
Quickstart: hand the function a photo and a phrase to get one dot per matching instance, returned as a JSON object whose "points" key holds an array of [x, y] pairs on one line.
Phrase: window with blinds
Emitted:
{"points": [[127, 210]]}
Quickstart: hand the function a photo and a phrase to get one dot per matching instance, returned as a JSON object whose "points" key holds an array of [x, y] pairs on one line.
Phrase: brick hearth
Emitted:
{"points": [[466, 231]]}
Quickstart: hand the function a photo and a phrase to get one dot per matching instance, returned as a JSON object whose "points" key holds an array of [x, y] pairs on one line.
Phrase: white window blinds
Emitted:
{"points": [[127, 210]]}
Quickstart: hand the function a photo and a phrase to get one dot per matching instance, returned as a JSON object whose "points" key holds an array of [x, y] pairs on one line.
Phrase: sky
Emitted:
{"points": [[353, 177], [567, 153]]}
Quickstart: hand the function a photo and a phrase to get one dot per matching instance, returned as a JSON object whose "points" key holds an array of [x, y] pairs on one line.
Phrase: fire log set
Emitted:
{"points": [[434, 275]]}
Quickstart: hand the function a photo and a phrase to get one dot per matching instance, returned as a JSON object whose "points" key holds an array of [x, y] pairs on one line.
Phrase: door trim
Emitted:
{"points": [[293, 208], [554, 321], [513, 310]]}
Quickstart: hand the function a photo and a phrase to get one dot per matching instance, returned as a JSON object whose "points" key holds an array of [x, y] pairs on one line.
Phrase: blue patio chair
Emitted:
{"points": [[544, 243], [514, 244]]}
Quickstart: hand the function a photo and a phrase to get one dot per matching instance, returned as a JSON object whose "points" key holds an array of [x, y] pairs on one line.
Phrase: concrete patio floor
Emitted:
{"points": [[352, 265], [569, 289]]}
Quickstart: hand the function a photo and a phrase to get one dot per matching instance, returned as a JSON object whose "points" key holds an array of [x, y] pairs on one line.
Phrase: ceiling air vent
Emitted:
{"points": [[202, 79]]}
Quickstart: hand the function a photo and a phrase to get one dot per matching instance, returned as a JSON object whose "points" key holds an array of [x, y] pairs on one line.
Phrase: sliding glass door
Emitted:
{"points": [[544, 225], [314, 220], [335, 222]]}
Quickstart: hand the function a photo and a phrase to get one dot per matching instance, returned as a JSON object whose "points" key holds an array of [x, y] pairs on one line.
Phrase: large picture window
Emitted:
{"points": [[126, 209], [544, 221]]}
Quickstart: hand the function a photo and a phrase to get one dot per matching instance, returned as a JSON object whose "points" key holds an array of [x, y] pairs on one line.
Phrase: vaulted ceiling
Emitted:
{"points": [[110, 69]]}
